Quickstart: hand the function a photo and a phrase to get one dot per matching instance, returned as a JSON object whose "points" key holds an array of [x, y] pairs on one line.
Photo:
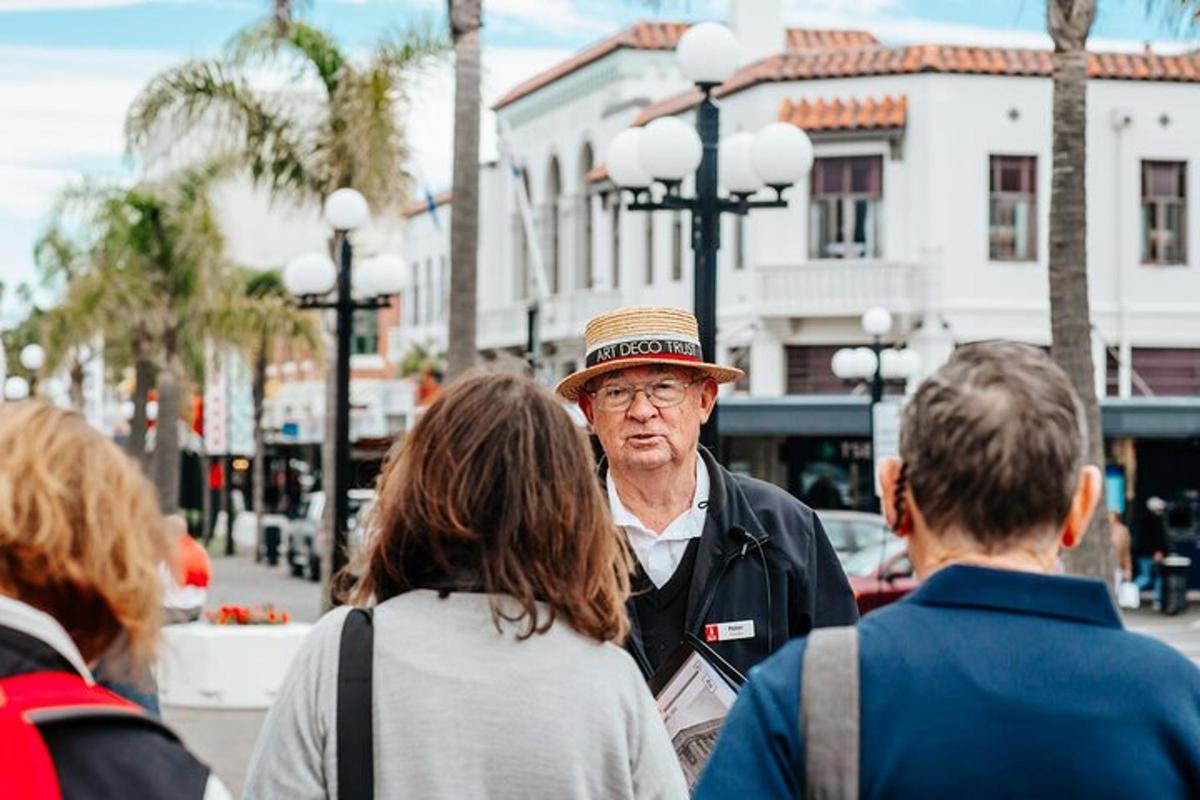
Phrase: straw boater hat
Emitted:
{"points": [[638, 336]]}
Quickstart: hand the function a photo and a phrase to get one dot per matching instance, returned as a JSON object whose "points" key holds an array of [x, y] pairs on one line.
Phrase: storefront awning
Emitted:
{"points": [[847, 415]]}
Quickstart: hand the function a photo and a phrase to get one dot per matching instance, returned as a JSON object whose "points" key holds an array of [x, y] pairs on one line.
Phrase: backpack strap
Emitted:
{"points": [[39, 698], [355, 735], [829, 714]]}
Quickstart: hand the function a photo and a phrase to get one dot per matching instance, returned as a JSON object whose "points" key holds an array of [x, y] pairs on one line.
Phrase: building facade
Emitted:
{"points": [[929, 196]]}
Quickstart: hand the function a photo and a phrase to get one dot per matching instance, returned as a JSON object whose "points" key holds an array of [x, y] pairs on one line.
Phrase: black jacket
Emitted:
{"points": [[752, 524], [104, 757]]}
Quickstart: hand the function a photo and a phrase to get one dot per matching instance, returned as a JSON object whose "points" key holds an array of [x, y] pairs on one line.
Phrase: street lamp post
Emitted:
{"points": [[311, 277], [33, 358], [875, 363], [667, 150]]}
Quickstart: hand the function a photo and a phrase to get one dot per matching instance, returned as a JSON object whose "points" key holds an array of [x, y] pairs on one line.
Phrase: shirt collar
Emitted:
{"points": [[625, 518], [1060, 596], [45, 628]]}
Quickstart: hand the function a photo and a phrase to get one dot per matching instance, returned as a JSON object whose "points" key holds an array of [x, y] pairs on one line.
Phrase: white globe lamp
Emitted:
{"points": [[382, 275], [782, 154], [708, 53], [16, 388], [346, 210], [865, 362], [624, 160], [33, 357], [876, 321], [310, 274], [738, 175], [670, 149], [843, 364], [910, 363]]}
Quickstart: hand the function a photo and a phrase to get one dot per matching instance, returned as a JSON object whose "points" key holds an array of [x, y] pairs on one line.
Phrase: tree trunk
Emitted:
{"points": [[76, 388], [464, 219], [206, 504], [1070, 316], [259, 477], [166, 440], [328, 456], [143, 374]]}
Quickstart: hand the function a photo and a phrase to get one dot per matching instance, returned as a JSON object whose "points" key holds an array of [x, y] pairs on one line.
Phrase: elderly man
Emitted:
{"points": [[739, 563]]}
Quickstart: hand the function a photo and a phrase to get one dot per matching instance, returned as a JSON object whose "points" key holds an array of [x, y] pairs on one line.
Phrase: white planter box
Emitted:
{"points": [[226, 666]]}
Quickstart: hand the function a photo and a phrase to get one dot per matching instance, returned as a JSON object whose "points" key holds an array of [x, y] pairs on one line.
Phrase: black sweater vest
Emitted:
{"points": [[662, 613]]}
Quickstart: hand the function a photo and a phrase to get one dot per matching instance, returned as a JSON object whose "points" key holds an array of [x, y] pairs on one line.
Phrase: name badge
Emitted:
{"points": [[729, 631]]}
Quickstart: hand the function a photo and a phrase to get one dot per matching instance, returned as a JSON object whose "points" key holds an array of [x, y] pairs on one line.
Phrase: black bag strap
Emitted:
{"points": [[355, 734], [829, 714]]}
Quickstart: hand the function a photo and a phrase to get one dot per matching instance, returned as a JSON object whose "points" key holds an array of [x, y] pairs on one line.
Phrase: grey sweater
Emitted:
{"points": [[463, 711]]}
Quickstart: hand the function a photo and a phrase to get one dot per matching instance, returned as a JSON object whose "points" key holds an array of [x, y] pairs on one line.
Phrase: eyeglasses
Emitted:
{"points": [[663, 393]]}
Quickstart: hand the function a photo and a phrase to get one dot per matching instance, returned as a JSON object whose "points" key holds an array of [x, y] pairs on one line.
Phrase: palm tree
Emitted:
{"points": [[352, 137], [465, 23], [1069, 22], [262, 317]]}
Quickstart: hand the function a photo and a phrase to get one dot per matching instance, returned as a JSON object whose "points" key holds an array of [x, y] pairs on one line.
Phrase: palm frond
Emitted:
{"points": [[403, 50], [1180, 18], [205, 94], [311, 47]]}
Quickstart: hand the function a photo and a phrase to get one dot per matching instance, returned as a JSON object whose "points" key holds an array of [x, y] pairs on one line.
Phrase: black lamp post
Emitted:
{"points": [[312, 277], [667, 150]]}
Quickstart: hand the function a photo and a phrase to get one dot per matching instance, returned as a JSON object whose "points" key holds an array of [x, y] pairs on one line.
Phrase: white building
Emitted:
{"points": [[930, 195]]}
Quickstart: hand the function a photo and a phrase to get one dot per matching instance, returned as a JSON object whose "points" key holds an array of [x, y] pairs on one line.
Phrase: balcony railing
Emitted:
{"points": [[839, 287], [563, 316]]}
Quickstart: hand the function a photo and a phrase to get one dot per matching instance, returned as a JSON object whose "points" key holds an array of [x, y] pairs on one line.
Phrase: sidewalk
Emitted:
{"points": [[1181, 632], [225, 739]]}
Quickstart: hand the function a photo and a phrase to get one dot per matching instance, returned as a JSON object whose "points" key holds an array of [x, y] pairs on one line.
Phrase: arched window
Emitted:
{"points": [[584, 232], [521, 272], [553, 232]]}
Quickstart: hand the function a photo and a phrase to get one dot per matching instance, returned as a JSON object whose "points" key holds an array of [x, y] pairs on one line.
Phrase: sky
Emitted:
{"points": [[69, 68]]}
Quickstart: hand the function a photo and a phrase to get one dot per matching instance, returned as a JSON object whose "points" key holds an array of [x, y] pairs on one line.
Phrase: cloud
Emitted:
{"points": [[431, 104], [556, 16], [876, 17], [57, 5]]}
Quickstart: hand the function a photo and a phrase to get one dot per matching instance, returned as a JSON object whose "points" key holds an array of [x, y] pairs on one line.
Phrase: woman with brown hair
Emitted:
{"points": [[495, 583], [81, 541]]}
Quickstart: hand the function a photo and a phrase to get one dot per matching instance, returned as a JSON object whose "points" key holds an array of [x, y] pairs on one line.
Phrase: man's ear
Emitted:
{"points": [[584, 401], [889, 479], [708, 399], [1083, 504]]}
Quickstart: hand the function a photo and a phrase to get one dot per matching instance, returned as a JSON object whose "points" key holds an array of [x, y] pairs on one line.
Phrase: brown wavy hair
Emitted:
{"points": [[81, 537], [495, 490]]}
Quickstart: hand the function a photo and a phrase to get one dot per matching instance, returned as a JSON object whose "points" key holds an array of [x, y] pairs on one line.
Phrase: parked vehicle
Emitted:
{"points": [[307, 543], [880, 574], [852, 531]]}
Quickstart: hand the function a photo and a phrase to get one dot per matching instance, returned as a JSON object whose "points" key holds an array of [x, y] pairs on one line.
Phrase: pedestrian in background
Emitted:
{"points": [[995, 678], [81, 541], [1152, 548], [734, 560], [494, 590]]}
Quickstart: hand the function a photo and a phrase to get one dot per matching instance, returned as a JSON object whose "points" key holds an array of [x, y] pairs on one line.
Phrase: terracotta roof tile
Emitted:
{"points": [[843, 115], [878, 60], [418, 207], [664, 36]]}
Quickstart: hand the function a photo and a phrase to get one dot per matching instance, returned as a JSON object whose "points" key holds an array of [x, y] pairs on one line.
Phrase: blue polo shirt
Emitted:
{"points": [[985, 683]]}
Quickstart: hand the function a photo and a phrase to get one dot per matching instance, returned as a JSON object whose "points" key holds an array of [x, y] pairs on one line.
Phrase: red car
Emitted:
{"points": [[880, 574]]}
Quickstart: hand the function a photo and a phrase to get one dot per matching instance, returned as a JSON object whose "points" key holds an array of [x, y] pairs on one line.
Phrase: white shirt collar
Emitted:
{"points": [[45, 628], [688, 525]]}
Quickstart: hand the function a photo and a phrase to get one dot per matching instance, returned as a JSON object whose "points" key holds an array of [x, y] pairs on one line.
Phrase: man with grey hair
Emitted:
{"points": [[735, 561], [996, 678]]}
